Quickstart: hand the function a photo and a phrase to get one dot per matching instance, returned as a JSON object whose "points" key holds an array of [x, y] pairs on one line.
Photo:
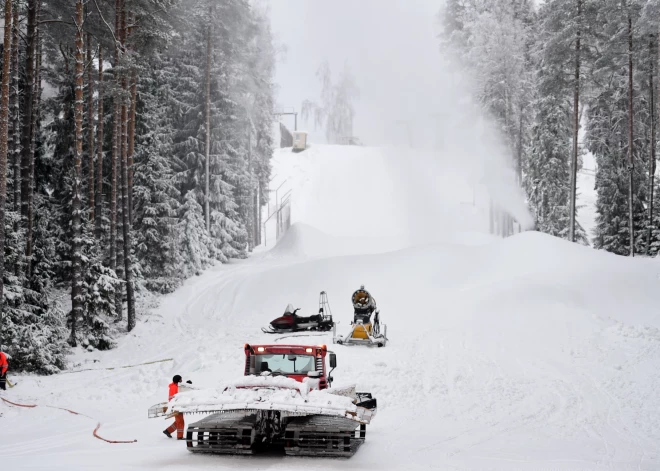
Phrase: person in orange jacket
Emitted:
{"points": [[178, 424], [4, 366]]}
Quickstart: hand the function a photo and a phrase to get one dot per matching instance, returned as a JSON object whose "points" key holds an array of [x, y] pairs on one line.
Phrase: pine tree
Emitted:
{"points": [[194, 237], [227, 151], [156, 196], [621, 184], [547, 169], [551, 159]]}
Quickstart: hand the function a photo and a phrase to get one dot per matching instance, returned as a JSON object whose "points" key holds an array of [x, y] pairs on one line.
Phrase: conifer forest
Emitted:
{"points": [[562, 78], [135, 138]]}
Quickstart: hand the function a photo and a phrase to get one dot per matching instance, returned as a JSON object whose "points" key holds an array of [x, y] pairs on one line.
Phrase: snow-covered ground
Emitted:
{"points": [[527, 353]]}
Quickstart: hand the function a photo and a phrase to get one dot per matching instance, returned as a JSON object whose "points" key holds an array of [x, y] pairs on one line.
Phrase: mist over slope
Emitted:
{"points": [[394, 197], [413, 97]]}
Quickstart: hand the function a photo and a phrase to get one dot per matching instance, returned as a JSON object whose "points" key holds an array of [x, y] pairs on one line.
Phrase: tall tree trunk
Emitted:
{"points": [[652, 157], [207, 143], [131, 143], [90, 129], [76, 269], [26, 138], [28, 97], [631, 162], [252, 234], [259, 216], [576, 124], [36, 103], [126, 227], [130, 297], [16, 122], [119, 239], [15, 148], [99, 155], [131, 125], [4, 135], [115, 148], [519, 150]]}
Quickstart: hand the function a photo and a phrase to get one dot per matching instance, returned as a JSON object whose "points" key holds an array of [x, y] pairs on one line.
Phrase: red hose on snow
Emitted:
{"points": [[18, 405], [98, 426], [110, 441]]}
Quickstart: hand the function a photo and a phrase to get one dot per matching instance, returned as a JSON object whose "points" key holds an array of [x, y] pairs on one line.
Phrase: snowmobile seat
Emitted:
{"points": [[304, 320]]}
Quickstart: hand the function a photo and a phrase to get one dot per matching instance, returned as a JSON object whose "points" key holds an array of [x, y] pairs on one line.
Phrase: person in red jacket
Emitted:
{"points": [[178, 418], [4, 366]]}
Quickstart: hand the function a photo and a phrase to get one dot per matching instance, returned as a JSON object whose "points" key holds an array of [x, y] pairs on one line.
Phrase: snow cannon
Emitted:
{"points": [[284, 402], [366, 326], [290, 321]]}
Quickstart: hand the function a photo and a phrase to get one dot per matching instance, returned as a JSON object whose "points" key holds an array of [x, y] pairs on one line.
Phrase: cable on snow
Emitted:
{"points": [[98, 425]]}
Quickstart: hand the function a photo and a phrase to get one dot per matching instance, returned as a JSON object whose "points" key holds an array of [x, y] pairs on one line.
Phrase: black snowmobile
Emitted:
{"points": [[290, 321]]}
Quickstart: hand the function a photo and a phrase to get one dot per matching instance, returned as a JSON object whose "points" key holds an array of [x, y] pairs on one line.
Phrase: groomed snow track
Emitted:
{"points": [[525, 354]]}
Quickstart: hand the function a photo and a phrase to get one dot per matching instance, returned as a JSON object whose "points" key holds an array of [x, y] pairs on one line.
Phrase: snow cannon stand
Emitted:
{"points": [[366, 326], [361, 334]]}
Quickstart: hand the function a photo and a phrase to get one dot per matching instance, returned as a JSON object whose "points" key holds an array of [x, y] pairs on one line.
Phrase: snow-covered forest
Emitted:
{"points": [[563, 79], [135, 139]]}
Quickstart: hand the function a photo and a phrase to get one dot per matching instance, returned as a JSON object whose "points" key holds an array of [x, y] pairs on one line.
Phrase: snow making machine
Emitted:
{"points": [[290, 321], [366, 328], [285, 401]]}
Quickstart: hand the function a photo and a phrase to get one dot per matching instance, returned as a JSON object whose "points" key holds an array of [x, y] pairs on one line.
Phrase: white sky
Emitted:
{"points": [[392, 49], [390, 46]]}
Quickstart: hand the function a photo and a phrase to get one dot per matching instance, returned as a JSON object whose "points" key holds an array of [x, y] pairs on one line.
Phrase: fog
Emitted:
{"points": [[410, 91]]}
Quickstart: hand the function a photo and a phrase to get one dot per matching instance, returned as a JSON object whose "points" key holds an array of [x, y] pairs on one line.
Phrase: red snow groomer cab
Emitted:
{"points": [[284, 401], [293, 361]]}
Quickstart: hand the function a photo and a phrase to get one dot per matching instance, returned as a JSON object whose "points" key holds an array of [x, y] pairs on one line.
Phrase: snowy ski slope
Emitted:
{"points": [[521, 354]]}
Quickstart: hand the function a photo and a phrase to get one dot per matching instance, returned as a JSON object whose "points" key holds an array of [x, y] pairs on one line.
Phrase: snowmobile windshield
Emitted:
{"points": [[284, 364], [289, 309]]}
